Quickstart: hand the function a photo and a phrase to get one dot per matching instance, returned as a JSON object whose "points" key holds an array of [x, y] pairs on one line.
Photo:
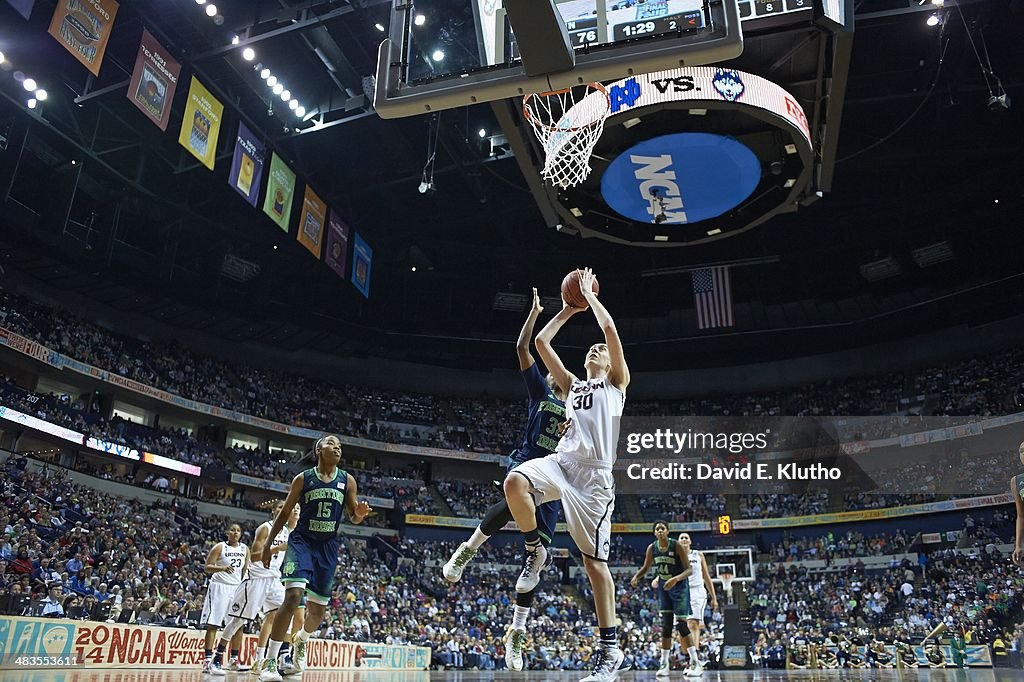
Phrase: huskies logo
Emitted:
{"points": [[728, 84]]}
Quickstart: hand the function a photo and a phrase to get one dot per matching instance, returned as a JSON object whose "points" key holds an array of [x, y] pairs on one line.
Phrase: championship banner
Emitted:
{"points": [[280, 190], [311, 222], [336, 253], [201, 124], [362, 261], [83, 28], [154, 80], [247, 165]]}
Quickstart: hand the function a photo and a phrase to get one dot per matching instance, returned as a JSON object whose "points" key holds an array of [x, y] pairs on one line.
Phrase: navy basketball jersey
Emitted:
{"points": [[546, 414], [322, 505], [1019, 481], [666, 561]]}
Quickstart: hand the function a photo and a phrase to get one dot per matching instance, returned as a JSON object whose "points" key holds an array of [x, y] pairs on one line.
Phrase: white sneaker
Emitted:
{"points": [[287, 665], [606, 665], [257, 667], [299, 652], [533, 564], [207, 666], [665, 670], [515, 641], [237, 667], [216, 669], [269, 672], [695, 671], [452, 570]]}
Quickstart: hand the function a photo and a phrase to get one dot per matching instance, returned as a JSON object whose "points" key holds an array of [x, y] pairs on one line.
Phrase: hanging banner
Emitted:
{"points": [[247, 165], [311, 222], [83, 28], [336, 253], [154, 80], [362, 260], [201, 124], [280, 190]]}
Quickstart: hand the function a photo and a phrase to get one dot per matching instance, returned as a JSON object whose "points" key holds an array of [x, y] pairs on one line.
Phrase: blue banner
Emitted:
{"points": [[247, 165], [362, 261]]}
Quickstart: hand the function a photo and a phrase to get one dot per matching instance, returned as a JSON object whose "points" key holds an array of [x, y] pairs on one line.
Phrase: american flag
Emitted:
{"points": [[712, 295]]}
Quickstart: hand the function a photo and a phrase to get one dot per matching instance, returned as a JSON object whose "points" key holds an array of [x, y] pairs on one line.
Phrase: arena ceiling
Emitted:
{"points": [[923, 160]]}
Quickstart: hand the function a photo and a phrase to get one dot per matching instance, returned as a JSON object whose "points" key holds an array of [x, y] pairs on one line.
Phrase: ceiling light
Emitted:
{"points": [[31, 104], [272, 81], [286, 95], [482, 133], [938, 3], [41, 96], [293, 105], [438, 55], [379, 27], [300, 111], [200, 2], [235, 40], [279, 88], [265, 74], [2, 58], [420, 20], [414, 268], [211, 11], [29, 84], [933, 20], [248, 54]]}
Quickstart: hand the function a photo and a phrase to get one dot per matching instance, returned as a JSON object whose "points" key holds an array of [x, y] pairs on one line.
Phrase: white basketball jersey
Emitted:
{"points": [[696, 578], [594, 406], [256, 569], [230, 556]]}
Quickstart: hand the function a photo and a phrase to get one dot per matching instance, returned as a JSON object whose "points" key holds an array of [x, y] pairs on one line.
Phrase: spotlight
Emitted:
{"points": [[235, 40], [31, 104], [933, 20], [265, 74], [300, 111], [938, 3], [278, 89], [379, 27], [248, 54], [420, 20], [200, 2], [29, 84], [293, 105], [211, 11], [75, 163], [482, 133], [286, 95], [2, 58], [272, 81], [438, 55], [414, 268], [41, 95]]}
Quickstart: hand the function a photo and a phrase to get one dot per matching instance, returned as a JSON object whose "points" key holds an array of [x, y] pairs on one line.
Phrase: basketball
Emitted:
{"points": [[571, 291]]}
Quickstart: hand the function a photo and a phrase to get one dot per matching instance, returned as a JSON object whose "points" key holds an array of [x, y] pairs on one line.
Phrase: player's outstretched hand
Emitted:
{"points": [[587, 283], [563, 427], [537, 308], [634, 580], [1018, 556], [362, 509]]}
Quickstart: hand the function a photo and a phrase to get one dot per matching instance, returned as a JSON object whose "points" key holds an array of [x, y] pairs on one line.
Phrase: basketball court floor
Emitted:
{"points": [[125, 675]]}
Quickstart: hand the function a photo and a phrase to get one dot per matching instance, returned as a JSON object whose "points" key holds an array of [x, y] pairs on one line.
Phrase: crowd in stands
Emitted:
{"points": [[832, 545]]}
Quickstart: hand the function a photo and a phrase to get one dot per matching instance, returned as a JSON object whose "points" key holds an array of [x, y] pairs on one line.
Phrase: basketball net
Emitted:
{"points": [[568, 124], [727, 579]]}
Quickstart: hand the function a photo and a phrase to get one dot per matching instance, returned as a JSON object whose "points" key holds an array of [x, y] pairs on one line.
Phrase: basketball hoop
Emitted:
{"points": [[568, 127], [727, 579]]}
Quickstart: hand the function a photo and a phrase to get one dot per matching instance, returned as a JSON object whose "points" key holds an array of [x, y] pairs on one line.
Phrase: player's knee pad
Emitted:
{"points": [[497, 516], [682, 627], [666, 625]]}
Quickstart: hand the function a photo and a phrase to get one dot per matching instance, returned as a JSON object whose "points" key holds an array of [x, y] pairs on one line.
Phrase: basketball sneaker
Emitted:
{"points": [[665, 670], [606, 665], [217, 669], [207, 666], [515, 641], [695, 670], [299, 652], [287, 665], [452, 570], [533, 564], [257, 666], [269, 672], [237, 667]]}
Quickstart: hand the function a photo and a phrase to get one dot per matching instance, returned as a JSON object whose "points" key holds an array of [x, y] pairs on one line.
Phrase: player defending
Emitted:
{"points": [[1017, 492], [261, 592], [225, 564], [323, 493], [701, 588], [546, 416], [673, 566], [580, 472]]}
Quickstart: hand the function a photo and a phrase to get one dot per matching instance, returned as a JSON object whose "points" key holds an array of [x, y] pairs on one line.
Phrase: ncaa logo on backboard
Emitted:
{"points": [[728, 84]]}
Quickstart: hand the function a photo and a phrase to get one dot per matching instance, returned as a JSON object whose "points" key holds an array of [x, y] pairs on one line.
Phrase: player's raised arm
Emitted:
{"points": [[523, 342], [212, 558], [357, 509], [642, 571], [1018, 546], [563, 377], [619, 374], [294, 494]]}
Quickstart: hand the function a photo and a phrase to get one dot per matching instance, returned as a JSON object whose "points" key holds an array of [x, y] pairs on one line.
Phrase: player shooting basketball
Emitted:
{"points": [[579, 473]]}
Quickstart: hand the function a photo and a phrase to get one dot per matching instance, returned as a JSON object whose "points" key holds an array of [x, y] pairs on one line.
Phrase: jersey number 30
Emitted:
{"points": [[583, 402]]}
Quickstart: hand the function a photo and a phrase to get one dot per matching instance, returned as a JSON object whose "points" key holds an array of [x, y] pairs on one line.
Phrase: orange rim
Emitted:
{"points": [[594, 86]]}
